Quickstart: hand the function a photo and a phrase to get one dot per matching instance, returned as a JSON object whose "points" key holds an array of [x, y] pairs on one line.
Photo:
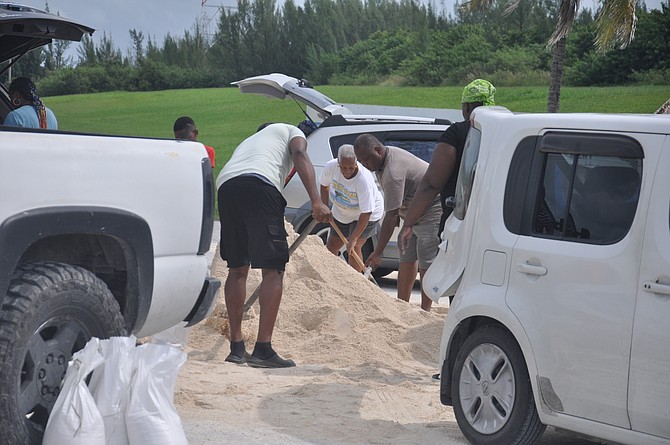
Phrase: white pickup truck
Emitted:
{"points": [[99, 236]]}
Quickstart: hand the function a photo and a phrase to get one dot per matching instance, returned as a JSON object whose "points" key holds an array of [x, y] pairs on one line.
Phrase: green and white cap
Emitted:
{"points": [[479, 90]]}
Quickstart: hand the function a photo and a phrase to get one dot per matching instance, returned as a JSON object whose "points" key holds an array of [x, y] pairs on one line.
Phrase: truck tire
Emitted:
{"points": [[50, 311], [491, 391]]}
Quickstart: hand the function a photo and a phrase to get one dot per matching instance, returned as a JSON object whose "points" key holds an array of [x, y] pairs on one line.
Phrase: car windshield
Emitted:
{"points": [[466, 173]]}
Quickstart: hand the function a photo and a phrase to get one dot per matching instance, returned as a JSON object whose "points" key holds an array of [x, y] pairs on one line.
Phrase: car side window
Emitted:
{"points": [[587, 195]]}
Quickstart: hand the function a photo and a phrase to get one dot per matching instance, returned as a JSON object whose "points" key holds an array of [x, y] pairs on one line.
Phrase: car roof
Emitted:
{"points": [[367, 119], [23, 28], [619, 122]]}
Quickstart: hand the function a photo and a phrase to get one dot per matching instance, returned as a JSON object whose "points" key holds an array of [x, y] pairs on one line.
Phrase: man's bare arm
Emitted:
{"points": [[305, 169], [439, 171]]}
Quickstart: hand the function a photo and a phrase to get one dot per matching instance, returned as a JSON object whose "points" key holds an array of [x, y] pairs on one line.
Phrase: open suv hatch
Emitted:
{"points": [[23, 29]]}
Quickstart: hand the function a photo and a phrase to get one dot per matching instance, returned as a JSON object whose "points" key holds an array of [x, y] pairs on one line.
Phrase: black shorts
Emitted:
{"points": [[252, 224], [347, 229]]}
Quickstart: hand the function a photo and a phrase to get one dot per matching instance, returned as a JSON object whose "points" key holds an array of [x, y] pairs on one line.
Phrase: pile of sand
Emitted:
{"points": [[332, 315], [364, 361]]}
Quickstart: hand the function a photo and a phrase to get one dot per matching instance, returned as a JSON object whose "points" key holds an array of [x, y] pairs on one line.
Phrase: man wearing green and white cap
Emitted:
{"points": [[442, 171]]}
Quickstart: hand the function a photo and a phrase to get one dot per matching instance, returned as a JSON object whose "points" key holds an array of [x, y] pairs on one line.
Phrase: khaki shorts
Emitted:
{"points": [[423, 245]]}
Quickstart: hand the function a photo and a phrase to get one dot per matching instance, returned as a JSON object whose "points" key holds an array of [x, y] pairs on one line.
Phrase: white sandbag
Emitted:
{"points": [[151, 417], [176, 336], [110, 386], [75, 419]]}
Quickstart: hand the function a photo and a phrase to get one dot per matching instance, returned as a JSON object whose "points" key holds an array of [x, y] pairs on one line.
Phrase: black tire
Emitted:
{"points": [[381, 272], [491, 392], [321, 229], [50, 311]]}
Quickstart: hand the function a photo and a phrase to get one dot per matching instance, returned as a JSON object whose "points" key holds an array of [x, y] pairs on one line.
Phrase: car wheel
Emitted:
{"points": [[379, 272], [492, 394], [50, 311], [321, 230]]}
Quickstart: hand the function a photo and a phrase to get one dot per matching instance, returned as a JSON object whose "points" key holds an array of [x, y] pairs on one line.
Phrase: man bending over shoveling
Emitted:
{"points": [[251, 210], [358, 204]]}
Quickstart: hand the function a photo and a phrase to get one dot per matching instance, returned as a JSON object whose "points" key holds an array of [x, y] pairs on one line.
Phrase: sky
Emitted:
{"points": [[157, 18]]}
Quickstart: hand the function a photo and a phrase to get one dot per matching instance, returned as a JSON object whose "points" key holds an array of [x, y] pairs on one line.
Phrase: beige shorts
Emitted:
{"points": [[422, 245]]}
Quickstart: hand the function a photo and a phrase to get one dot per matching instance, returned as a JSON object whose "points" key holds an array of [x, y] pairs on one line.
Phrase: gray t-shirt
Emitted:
{"points": [[399, 178]]}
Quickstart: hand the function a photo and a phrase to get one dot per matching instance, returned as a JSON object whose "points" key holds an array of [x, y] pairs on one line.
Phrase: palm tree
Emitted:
{"points": [[615, 27]]}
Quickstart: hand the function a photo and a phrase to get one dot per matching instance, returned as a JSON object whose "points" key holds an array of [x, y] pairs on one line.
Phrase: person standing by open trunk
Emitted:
{"points": [[29, 111]]}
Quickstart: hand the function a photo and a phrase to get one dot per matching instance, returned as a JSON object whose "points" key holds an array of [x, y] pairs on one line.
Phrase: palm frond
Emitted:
{"points": [[615, 24], [513, 4], [566, 17]]}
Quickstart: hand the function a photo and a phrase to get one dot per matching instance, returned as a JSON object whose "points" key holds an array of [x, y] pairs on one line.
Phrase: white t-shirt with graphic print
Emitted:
{"points": [[351, 197]]}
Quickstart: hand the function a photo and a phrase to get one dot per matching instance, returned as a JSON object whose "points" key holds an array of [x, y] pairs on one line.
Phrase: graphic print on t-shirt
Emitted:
{"points": [[342, 197]]}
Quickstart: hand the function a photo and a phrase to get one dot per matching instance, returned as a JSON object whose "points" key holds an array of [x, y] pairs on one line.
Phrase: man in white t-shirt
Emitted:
{"points": [[251, 209], [358, 204]]}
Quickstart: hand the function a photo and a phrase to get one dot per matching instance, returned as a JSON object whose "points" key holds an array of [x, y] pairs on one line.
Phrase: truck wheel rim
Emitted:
{"points": [[487, 388], [48, 352]]}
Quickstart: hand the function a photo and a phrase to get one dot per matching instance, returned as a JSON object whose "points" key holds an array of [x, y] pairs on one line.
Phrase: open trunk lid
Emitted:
{"points": [[24, 28], [279, 86]]}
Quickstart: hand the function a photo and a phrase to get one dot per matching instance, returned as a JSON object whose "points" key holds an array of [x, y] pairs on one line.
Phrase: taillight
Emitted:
{"points": [[207, 207]]}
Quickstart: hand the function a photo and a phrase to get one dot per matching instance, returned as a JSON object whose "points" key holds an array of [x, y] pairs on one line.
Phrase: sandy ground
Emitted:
{"points": [[364, 362]]}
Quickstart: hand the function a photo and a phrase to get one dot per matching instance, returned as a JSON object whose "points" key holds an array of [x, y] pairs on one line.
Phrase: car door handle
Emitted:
{"points": [[532, 270], [656, 288]]}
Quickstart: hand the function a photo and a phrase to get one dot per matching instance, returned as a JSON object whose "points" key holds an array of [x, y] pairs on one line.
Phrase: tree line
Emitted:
{"points": [[360, 42]]}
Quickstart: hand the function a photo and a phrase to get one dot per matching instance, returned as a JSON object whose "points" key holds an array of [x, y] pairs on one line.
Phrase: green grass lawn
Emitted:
{"points": [[225, 116]]}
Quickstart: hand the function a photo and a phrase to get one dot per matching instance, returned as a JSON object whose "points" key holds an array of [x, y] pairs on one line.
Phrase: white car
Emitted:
{"points": [[558, 258], [337, 125]]}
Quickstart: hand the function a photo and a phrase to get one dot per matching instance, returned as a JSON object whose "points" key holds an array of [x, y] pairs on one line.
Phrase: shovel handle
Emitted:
{"points": [[367, 271], [358, 260]]}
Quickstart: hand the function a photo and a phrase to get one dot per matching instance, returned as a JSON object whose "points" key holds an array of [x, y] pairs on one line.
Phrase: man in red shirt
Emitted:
{"points": [[184, 128]]}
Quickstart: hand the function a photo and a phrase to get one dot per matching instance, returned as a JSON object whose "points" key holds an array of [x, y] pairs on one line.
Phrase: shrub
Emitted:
{"points": [[651, 77]]}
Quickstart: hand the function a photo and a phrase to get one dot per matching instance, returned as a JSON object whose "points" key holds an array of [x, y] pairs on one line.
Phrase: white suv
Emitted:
{"points": [[337, 125], [558, 258]]}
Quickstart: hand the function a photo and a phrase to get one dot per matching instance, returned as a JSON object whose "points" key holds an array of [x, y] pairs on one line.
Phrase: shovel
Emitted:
{"points": [[252, 299], [367, 270]]}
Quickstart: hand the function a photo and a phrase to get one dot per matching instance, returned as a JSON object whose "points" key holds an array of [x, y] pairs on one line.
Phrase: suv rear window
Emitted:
{"points": [[581, 187], [419, 148], [419, 143]]}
